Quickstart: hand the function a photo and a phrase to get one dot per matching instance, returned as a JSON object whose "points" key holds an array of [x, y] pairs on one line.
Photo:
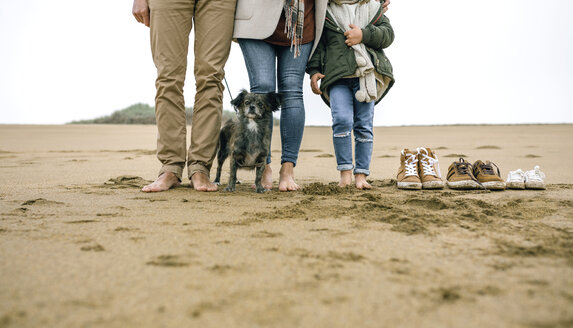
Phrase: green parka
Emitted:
{"points": [[335, 59]]}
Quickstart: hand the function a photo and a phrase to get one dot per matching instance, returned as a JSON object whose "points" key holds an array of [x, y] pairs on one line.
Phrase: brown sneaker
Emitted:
{"points": [[460, 176], [488, 176], [429, 169], [408, 177]]}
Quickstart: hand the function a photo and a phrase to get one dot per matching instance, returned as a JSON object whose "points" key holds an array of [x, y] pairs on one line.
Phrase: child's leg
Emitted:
{"points": [[363, 137], [341, 103]]}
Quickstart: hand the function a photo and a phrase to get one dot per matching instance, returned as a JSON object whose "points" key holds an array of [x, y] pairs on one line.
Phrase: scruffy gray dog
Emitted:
{"points": [[247, 137]]}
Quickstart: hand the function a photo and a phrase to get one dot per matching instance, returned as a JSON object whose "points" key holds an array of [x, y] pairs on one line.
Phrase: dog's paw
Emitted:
{"points": [[261, 189], [230, 189]]}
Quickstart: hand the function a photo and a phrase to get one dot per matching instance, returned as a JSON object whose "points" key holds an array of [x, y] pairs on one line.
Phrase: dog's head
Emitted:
{"points": [[255, 105]]}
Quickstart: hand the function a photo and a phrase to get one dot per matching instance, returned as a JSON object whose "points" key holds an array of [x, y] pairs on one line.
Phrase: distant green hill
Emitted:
{"points": [[134, 114], [143, 114]]}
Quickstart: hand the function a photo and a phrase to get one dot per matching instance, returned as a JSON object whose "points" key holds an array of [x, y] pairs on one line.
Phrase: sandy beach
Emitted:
{"points": [[81, 246]]}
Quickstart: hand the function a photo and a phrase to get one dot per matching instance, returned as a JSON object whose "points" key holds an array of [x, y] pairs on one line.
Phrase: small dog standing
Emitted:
{"points": [[247, 137]]}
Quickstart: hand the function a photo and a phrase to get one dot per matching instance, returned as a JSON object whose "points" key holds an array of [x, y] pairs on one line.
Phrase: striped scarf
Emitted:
{"points": [[349, 2], [294, 13]]}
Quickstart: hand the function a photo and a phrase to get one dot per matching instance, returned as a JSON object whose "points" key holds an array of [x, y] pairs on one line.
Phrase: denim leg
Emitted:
{"points": [[290, 75], [341, 107], [363, 135], [260, 60]]}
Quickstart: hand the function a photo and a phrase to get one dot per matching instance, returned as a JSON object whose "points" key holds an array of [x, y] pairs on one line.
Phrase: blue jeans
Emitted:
{"points": [[348, 114], [269, 65]]}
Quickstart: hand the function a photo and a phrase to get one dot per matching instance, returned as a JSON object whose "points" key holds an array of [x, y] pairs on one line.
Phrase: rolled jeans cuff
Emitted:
{"points": [[290, 160], [362, 171], [344, 167], [194, 168], [175, 169]]}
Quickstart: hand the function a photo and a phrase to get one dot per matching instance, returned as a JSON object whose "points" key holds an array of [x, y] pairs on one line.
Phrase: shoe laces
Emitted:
{"points": [[428, 162], [463, 167], [487, 168], [517, 175], [535, 174], [410, 164]]}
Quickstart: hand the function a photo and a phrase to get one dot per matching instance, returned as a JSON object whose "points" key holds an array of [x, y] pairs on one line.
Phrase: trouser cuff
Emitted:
{"points": [[362, 171], [175, 169], [344, 167], [194, 168]]}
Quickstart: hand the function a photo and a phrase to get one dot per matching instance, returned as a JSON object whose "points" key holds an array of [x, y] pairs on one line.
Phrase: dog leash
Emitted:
{"points": [[230, 95]]}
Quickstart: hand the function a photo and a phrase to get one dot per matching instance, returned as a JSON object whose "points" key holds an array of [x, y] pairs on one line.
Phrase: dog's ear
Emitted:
{"points": [[238, 101], [275, 100]]}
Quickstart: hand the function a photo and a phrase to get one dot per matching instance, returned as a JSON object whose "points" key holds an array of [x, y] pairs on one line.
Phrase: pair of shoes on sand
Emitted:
{"points": [[419, 169], [480, 175], [532, 179]]}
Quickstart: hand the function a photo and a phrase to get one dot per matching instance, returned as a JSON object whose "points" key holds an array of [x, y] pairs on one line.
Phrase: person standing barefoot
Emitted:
{"points": [[355, 75], [170, 24], [276, 62]]}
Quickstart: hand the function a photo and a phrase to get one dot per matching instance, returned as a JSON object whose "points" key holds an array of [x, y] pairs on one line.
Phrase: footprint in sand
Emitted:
{"points": [[221, 268], [41, 201], [126, 181], [266, 234], [80, 221], [93, 248], [125, 229], [488, 147], [171, 261], [532, 156], [456, 155]]}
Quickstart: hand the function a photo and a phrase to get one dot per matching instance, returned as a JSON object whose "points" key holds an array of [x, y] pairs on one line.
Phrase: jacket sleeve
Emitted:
{"points": [[379, 35], [314, 65]]}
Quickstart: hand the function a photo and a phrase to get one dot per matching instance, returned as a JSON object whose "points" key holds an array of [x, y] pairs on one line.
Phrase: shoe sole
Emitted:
{"points": [[433, 185], [515, 185], [535, 185], [494, 185], [410, 185], [464, 184]]}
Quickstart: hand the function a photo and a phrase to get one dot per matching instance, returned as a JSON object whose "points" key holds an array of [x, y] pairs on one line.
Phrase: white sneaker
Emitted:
{"points": [[534, 179], [515, 179]]}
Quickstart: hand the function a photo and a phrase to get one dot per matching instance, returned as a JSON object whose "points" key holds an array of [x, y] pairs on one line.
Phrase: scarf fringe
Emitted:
{"points": [[294, 13]]}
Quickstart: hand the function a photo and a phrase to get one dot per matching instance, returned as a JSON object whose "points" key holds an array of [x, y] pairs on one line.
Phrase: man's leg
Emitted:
{"points": [[170, 27], [213, 33]]}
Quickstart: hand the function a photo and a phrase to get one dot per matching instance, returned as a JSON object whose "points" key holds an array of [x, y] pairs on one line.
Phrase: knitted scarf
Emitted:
{"points": [[294, 13], [359, 13], [349, 2]]}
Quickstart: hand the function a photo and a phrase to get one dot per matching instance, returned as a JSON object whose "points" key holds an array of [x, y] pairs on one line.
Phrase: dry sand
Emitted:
{"points": [[81, 246]]}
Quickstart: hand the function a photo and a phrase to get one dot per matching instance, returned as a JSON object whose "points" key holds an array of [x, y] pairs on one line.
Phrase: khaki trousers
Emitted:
{"points": [[171, 23]]}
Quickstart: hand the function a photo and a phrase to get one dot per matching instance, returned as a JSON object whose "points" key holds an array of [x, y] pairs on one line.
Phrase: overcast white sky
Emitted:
{"points": [[455, 61]]}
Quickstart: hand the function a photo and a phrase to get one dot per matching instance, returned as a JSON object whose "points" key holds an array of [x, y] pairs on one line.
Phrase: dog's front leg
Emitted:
{"points": [[258, 179], [232, 176]]}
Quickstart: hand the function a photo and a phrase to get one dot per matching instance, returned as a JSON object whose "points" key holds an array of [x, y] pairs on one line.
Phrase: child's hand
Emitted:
{"points": [[354, 36], [314, 83], [385, 6]]}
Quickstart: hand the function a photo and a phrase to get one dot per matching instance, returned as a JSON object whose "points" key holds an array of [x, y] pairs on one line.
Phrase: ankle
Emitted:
{"points": [[360, 176], [287, 168]]}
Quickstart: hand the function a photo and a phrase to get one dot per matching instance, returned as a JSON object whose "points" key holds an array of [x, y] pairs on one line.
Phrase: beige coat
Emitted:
{"points": [[258, 19]]}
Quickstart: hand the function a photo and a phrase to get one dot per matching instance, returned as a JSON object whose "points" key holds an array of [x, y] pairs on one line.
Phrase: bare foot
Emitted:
{"points": [[200, 182], [361, 182], [286, 178], [267, 180], [345, 178], [164, 182]]}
